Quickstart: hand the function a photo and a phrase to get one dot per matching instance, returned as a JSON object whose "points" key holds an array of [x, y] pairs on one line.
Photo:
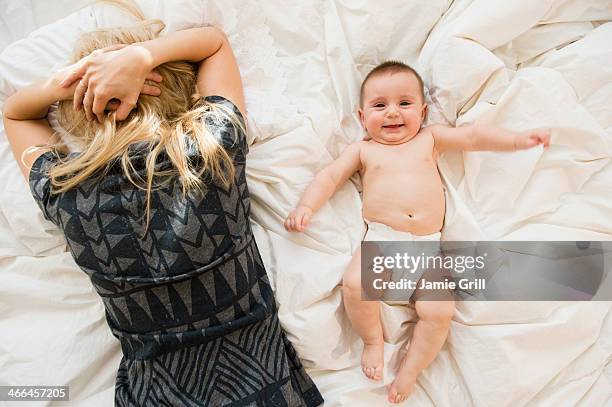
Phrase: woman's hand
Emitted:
{"points": [[54, 82], [298, 219], [116, 72]]}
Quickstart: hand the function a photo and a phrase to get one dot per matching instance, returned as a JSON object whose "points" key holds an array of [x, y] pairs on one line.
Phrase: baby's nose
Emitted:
{"points": [[391, 111]]}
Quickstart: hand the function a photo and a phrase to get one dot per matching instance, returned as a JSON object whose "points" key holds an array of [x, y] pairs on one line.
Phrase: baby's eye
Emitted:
{"points": [[405, 103], [379, 105]]}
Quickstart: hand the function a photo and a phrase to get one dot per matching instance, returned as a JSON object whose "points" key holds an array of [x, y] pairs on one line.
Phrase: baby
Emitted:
{"points": [[403, 200]]}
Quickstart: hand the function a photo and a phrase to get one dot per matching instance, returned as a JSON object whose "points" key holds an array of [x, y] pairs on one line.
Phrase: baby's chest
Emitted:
{"points": [[396, 161]]}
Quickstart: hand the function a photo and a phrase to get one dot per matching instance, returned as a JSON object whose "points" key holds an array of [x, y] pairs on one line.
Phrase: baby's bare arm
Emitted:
{"points": [[331, 177], [485, 138], [323, 187]]}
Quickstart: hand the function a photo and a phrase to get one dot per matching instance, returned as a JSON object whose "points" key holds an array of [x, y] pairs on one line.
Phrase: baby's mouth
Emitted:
{"points": [[393, 126]]}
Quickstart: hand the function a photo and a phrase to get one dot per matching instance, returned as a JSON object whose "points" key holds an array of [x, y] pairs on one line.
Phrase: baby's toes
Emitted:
{"points": [[392, 396], [366, 371]]}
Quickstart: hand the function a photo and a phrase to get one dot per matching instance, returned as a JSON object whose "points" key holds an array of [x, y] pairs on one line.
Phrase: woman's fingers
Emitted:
{"points": [[79, 94], [98, 105], [154, 76], [80, 68], [113, 104], [103, 76], [87, 104], [114, 47], [78, 71], [124, 110], [150, 90]]}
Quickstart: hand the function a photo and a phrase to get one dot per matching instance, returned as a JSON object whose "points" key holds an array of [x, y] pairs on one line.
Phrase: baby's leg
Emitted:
{"points": [[365, 318], [429, 335]]}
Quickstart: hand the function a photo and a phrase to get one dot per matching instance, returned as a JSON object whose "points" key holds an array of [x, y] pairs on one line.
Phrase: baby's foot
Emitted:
{"points": [[404, 383], [372, 360]]}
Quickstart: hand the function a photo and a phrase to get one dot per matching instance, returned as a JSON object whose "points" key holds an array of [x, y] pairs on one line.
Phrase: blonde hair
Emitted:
{"points": [[173, 123]]}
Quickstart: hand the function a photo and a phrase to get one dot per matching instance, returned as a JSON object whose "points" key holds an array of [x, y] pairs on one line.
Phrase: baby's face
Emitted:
{"points": [[393, 109]]}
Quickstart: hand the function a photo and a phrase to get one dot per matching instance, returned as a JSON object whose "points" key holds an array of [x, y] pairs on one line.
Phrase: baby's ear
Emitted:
{"points": [[424, 113]]}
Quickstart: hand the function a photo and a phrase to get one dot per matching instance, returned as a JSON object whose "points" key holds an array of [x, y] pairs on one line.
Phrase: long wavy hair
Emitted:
{"points": [[171, 124]]}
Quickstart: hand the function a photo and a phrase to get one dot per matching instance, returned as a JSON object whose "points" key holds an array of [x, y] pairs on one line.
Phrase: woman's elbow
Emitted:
{"points": [[7, 110], [218, 34]]}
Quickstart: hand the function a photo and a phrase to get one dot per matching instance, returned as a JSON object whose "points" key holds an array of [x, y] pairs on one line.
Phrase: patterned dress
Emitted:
{"points": [[188, 298]]}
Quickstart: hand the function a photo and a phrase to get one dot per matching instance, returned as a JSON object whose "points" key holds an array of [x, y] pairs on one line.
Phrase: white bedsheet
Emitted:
{"points": [[519, 64]]}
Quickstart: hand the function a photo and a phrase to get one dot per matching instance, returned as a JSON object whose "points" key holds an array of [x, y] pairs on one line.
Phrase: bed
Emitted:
{"points": [[519, 64]]}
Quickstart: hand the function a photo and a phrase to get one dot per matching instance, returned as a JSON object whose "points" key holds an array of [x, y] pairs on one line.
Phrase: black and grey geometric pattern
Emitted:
{"points": [[188, 298]]}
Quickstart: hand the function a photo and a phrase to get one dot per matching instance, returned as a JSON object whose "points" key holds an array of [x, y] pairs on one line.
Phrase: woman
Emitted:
{"points": [[155, 209]]}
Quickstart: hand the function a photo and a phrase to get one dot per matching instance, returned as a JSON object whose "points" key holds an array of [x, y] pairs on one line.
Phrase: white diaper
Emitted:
{"points": [[380, 232]]}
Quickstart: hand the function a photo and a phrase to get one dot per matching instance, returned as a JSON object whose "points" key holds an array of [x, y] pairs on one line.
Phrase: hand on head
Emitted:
{"points": [[111, 78], [530, 139]]}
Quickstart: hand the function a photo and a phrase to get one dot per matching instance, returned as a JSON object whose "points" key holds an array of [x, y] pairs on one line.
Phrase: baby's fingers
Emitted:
{"points": [[532, 141], [535, 140], [539, 137], [299, 222], [304, 220], [545, 137], [289, 223]]}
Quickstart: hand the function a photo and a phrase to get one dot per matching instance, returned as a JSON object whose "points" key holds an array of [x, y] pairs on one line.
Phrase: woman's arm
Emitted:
{"points": [[25, 120], [219, 75], [25, 113], [121, 74]]}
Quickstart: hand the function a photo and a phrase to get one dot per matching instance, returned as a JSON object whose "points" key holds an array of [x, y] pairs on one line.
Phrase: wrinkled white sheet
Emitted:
{"points": [[519, 64]]}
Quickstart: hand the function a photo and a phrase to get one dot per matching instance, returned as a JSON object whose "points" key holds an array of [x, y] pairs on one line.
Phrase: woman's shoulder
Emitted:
{"points": [[39, 171], [226, 104], [226, 122], [223, 101], [40, 184]]}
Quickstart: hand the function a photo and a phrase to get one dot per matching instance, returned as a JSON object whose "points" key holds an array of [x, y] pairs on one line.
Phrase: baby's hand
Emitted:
{"points": [[298, 219], [529, 139]]}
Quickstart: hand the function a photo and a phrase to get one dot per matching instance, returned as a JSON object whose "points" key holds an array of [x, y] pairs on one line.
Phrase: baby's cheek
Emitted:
{"points": [[418, 119], [372, 124], [415, 126]]}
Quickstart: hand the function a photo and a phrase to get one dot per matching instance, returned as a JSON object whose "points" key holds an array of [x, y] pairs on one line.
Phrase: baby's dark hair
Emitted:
{"points": [[391, 67]]}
